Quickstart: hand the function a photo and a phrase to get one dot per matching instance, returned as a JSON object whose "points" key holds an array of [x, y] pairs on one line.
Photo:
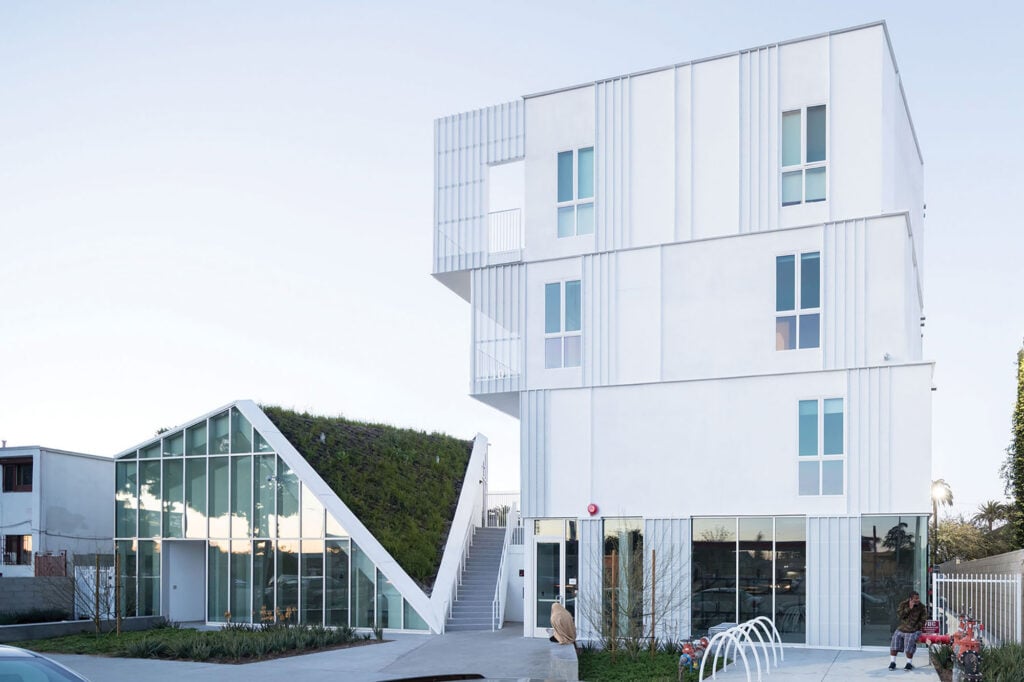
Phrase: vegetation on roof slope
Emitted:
{"points": [[403, 485]]}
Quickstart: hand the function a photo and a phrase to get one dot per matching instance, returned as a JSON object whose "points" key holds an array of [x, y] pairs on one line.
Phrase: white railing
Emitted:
{"points": [[738, 640], [497, 358], [504, 231], [460, 535], [498, 605], [499, 508], [993, 599]]}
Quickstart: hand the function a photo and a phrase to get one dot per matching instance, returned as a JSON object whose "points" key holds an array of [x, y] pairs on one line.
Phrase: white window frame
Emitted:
{"points": [[562, 334], [804, 165], [798, 309], [576, 201], [820, 457]]}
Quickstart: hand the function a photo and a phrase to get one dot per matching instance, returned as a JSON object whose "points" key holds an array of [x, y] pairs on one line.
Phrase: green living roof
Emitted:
{"points": [[402, 484]]}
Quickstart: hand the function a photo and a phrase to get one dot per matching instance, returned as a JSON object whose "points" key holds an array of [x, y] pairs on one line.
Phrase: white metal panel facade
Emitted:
{"points": [[833, 581]]}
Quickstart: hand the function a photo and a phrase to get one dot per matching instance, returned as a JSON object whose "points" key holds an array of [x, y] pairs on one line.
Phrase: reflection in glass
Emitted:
{"points": [[241, 432], [241, 588], [565, 189], [261, 445], [389, 604], [553, 353], [785, 333], [585, 219], [150, 452], [413, 621], [241, 496], [219, 434], [816, 133], [572, 305], [790, 576], [195, 498], [311, 565], [218, 505], [623, 578], [893, 560], [218, 580], [126, 499], [548, 580], [792, 188], [287, 580], [264, 493], [754, 594], [312, 515], [713, 597], [364, 576], [174, 445], [195, 439], [287, 501], [573, 351], [572, 561], [127, 558], [553, 308], [785, 283], [149, 578], [263, 581], [810, 280], [336, 582], [174, 498], [335, 529], [815, 184]]}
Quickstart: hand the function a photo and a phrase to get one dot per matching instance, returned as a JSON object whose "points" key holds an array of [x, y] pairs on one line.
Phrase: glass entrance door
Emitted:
{"points": [[555, 571]]}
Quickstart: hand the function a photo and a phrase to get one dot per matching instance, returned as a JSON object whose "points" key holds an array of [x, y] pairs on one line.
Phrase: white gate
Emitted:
{"points": [[994, 599]]}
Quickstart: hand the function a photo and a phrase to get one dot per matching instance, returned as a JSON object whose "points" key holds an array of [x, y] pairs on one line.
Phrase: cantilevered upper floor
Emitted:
{"points": [[794, 133]]}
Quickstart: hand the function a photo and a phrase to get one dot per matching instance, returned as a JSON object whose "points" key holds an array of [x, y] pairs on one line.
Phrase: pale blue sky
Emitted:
{"points": [[208, 201]]}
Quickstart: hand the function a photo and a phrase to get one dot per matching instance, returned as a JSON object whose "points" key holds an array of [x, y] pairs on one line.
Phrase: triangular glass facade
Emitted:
{"points": [[272, 552]]}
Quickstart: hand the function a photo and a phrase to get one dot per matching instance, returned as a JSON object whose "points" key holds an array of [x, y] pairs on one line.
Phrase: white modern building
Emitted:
{"points": [[699, 288], [51, 504]]}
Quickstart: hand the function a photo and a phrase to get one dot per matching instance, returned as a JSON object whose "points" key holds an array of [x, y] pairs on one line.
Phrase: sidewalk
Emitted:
{"points": [[505, 654]]}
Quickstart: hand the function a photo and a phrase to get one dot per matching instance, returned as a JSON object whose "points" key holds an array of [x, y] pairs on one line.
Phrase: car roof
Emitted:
{"points": [[15, 652]]}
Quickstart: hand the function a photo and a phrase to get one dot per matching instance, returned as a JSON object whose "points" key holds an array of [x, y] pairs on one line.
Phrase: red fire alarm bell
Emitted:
{"points": [[591, 508]]}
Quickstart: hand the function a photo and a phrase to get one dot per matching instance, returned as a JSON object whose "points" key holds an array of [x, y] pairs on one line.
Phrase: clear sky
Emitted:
{"points": [[201, 202]]}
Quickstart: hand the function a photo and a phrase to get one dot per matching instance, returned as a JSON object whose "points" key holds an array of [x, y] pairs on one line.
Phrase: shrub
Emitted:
{"points": [[34, 616], [1003, 663]]}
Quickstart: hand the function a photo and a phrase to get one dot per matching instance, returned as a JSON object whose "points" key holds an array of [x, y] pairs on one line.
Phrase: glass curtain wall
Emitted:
{"points": [[748, 567], [273, 553], [623, 579], [893, 563]]}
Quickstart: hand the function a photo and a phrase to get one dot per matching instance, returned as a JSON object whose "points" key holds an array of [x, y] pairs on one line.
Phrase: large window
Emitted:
{"points": [[747, 567], [803, 155], [18, 550], [563, 338], [893, 562], [798, 301], [821, 446], [623, 579], [576, 192], [17, 475]]}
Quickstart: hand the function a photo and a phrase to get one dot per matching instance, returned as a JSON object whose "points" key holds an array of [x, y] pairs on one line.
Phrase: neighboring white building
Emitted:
{"points": [[53, 501], [699, 288]]}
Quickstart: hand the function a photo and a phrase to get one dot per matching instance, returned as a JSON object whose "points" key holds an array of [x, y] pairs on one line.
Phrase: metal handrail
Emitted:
{"points": [[498, 604]]}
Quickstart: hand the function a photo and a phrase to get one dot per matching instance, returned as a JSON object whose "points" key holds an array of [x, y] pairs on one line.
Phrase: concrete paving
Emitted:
{"points": [[502, 655]]}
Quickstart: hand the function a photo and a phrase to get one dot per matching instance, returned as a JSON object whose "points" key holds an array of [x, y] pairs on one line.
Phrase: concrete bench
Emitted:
{"points": [[564, 665]]}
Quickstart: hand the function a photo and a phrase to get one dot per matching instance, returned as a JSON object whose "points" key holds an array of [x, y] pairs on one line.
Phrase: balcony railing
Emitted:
{"points": [[504, 231]]}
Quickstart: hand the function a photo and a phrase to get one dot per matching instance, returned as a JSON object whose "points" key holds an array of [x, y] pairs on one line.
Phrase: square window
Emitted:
{"points": [[815, 184], [809, 331], [566, 221], [832, 477], [785, 333], [573, 350], [553, 353], [809, 472], [585, 219], [792, 188]]}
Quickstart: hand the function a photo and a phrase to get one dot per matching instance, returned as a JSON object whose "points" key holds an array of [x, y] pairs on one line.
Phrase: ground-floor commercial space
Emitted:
{"points": [[825, 581]]}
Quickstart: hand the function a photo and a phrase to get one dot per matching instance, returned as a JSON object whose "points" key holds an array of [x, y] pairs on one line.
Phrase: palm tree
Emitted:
{"points": [[941, 492], [990, 513]]}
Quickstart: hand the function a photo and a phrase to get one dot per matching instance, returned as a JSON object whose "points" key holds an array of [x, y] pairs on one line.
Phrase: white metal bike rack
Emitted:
{"points": [[736, 640]]}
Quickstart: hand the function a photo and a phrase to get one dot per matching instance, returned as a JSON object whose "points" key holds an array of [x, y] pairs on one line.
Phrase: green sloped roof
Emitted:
{"points": [[403, 485]]}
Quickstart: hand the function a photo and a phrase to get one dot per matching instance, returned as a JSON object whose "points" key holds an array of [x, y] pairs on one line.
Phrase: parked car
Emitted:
{"points": [[718, 605], [21, 665]]}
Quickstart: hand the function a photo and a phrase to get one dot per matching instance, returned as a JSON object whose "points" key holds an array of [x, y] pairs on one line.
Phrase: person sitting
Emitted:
{"points": [[564, 629]]}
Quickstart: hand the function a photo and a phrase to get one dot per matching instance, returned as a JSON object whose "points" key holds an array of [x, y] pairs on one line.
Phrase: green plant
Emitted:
{"points": [[1003, 663], [378, 632], [941, 656], [34, 616]]}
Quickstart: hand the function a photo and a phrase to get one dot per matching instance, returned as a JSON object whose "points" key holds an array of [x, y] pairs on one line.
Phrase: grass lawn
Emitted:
{"points": [[230, 645], [599, 666]]}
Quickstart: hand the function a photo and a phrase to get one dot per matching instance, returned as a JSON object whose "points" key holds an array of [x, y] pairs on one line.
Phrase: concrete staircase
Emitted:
{"points": [[472, 610]]}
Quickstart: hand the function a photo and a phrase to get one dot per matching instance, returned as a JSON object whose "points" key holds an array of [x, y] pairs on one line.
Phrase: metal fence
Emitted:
{"points": [[994, 599]]}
